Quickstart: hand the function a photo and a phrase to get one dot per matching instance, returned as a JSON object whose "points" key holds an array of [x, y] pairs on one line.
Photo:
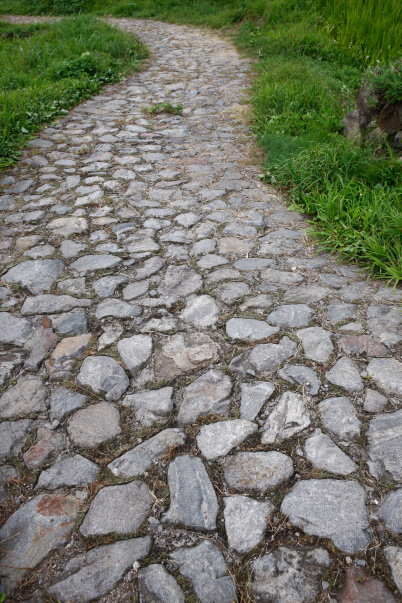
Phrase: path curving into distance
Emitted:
{"points": [[192, 397]]}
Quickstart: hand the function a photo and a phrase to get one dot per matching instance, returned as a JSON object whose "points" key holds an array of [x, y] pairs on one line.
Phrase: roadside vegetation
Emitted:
{"points": [[311, 57], [48, 68]]}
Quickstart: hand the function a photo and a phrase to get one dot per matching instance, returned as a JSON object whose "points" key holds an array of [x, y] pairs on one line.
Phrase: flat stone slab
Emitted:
{"points": [[339, 416], [291, 315], [28, 395], [385, 446], [360, 586], [317, 343], [64, 227], [152, 406], [245, 521], [324, 454], [135, 351], [289, 574], [48, 443], [67, 471], [63, 401], [117, 308], [120, 509], [201, 311], [205, 566], [264, 358], [393, 555], [182, 353], [36, 275], [38, 527], [217, 439], [52, 304], [387, 374], [331, 509], [156, 585], [96, 572], [14, 330], [249, 329], [193, 501], [209, 394], [345, 374], [61, 361], [180, 281], [103, 375], [290, 416], [253, 397], [91, 426], [303, 375], [137, 460], [391, 511], [12, 436], [261, 471], [90, 263]]}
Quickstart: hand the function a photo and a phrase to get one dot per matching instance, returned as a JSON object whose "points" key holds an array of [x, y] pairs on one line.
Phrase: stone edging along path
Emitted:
{"points": [[193, 397]]}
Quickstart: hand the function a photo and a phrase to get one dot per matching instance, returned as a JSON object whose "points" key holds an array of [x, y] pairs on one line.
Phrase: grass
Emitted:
{"points": [[165, 108], [311, 56], [46, 69]]}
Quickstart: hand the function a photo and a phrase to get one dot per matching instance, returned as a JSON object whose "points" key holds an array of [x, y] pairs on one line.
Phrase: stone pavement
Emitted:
{"points": [[194, 400]]}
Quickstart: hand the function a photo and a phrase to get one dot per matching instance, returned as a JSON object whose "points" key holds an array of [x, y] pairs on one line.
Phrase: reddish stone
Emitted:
{"points": [[361, 588], [61, 361], [47, 442], [357, 345]]}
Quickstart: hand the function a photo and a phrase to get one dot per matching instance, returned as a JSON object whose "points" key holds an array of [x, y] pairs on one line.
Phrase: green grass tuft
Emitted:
{"points": [[165, 108]]}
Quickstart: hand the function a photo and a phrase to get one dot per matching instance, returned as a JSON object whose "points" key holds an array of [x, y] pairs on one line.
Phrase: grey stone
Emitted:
{"points": [[90, 263], [209, 394], [205, 566], [289, 574], [339, 416], [317, 344], [324, 454], [385, 446], [280, 277], [387, 374], [374, 401], [28, 395], [289, 416], [103, 374], [60, 363], [229, 292], [259, 471], [156, 585], [249, 329], [203, 246], [211, 260], [13, 330], [393, 555], [52, 304], [107, 285], [7, 474], [48, 442], [120, 509], [263, 358], [64, 227], [253, 397], [149, 267], [201, 311], [245, 521], [139, 459], [339, 312], [303, 375], [153, 406], [135, 351], [330, 509], [111, 333], [73, 323], [182, 353], [385, 323], [345, 374], [43, 340], [180, 281], [141, 241], [117, 309], [94, 573], [7, 203], [70, 249], [12, 436], [36, 275], [217, 439], [391, 511], [291, 315], [193, 501], [91, 426], [307, 294], [63, 401], [134, 290], [38, 527], [74, 470]]}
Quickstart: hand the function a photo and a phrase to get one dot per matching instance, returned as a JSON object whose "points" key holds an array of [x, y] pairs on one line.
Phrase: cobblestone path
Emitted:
{"points": [[193, 399]]}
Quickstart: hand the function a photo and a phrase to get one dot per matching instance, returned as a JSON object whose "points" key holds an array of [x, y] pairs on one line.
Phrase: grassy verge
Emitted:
{"points": [[311, 56], [46, 69]]}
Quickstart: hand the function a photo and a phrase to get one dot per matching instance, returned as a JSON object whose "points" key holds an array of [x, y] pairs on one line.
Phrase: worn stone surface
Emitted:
{"points": [[289, 416], [39, 526], [303, 375], [135, 351], [263, 358], [209, 394], [47, 443], [359, 587], [385, 445], [253, 397], [245, 521], [94, 573], [151, 406], [12, 436], [201, 311], [156, 585], [120, 509], [183, 353], [91, 426], [391, 511], [317, 344], [205, 566], [249, 329], [259, 471], [289, 574], [324, 454], [331, 509], [103, 374], [60, 363], [14, 330], [193, 501], [387, 374], [345, 374], [28, 395], [339, 416], [36, 275], [63, 401], [136, 461], [393, 555], [217, 439], [70, 470]]}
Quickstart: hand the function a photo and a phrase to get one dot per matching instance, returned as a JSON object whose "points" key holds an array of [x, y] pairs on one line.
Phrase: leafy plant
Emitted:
{"points": [[165, 108]]}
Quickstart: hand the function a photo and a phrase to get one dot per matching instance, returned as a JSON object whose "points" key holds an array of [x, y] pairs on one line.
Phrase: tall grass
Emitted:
{"points": [[372, 27], [47, 69]]}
